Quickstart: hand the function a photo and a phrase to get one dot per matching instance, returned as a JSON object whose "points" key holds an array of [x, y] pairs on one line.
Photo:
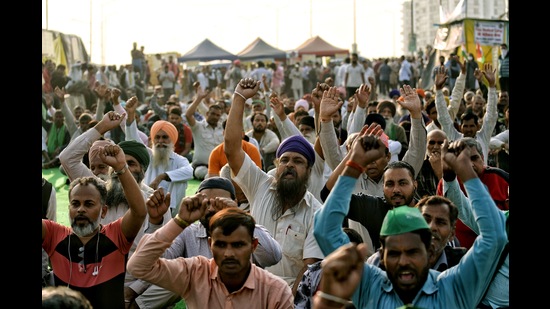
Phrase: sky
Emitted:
{"points": [[163, 26]]}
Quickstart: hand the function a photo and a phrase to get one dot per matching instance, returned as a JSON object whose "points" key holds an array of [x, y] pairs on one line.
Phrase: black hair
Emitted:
{"points": [[400, 164], [229, 219]]}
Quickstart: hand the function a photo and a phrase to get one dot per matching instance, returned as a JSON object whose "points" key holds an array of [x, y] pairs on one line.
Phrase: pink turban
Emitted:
{"points": [[167, 127], [94, 150]]}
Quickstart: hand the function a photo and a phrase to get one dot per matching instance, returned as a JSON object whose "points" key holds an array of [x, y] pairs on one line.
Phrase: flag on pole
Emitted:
{"points": [[479, 52]]}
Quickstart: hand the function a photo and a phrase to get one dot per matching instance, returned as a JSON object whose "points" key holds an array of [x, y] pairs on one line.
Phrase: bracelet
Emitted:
{"points": [[355, 166], [240, 94], [122, 170], [333, 298], [179, 221]]}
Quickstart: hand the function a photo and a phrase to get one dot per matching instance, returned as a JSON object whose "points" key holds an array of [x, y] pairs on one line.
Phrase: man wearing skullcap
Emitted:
{"points": [[371, 181], [193, 241], [166, 169], [403, 230], [281, 202], [137, 161], [207, 133]]}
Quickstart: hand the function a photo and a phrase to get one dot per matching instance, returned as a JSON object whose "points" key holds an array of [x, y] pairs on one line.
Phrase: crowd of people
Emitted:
{"points": [[337, 186]]}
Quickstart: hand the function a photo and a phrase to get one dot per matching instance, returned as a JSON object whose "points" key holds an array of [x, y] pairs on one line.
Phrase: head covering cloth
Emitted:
{"points": [[167, 127], [297, 143]]}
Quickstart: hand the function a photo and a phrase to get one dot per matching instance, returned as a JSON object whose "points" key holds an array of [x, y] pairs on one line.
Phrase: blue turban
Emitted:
{"points": [[394, 92], [297, 143]]}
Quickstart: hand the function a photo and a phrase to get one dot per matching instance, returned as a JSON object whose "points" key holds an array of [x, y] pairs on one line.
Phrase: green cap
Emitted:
{"points": [[403, 219]]}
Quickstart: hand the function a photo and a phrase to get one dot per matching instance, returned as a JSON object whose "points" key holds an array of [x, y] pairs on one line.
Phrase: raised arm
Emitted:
{"points": [[246, 88], [71, 156], [417, 143], [361, 97], [132, 220], [329, 143], [474, 273], [190, 112], [327, 226], [67, 113], [458, 90], [131, 125]]}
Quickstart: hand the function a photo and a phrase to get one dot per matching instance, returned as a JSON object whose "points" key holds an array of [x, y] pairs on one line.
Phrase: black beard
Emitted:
{"points": [[289, 191], [259, 130]]}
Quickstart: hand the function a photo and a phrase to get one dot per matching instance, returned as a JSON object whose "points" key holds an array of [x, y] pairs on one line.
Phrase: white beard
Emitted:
{"points": [[161, 155]]}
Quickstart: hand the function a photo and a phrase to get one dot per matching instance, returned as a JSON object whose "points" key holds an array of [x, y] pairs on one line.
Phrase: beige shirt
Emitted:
{"points": [[293, 230]]}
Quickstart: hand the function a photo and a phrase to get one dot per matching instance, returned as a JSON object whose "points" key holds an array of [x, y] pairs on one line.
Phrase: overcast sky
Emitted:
{"points": [[179, 25]]}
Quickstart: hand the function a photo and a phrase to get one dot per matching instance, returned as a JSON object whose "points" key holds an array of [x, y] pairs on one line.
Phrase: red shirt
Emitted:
{"points": [[496, 181]]}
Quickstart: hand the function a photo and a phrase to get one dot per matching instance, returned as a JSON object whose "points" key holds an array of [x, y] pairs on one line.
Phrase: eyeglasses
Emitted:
{"points": [[433, 142], [81, 265]]}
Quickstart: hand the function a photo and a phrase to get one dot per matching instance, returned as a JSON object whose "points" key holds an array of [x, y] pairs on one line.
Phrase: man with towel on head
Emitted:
{"points": [[167, 169], [282, 202]]}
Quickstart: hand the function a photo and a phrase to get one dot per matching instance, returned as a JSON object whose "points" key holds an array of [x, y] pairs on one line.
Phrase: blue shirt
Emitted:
{"points": [[461, 286]]}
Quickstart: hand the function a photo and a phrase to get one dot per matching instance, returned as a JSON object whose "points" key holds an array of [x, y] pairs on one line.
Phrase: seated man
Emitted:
{"points": [[207, 133], [406, 248], [194, 242], [229, 278], [88, 256]]}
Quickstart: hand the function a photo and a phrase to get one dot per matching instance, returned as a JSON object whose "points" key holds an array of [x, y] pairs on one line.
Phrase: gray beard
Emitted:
{"points": [[82, 231], [115, 193]]}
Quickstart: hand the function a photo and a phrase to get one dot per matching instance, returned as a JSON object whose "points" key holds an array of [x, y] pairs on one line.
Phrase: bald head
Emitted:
{"points": [[434, 141]]}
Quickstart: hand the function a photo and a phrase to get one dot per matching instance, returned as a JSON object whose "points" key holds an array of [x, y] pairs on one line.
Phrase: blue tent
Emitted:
{"points": [[259, 49], [207, 51]]}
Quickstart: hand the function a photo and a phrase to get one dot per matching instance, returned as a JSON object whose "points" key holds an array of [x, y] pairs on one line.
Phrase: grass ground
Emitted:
{"points": [[58, 181]]}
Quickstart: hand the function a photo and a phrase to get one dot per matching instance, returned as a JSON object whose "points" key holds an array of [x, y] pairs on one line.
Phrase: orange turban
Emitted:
{"points": [[94, 150], [167, 127]]}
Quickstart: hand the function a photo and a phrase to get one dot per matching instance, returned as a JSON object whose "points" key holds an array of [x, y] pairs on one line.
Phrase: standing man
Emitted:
{"points": [[228, 279], [88, 256], [355, 75], [167, 79], [282, 202]]}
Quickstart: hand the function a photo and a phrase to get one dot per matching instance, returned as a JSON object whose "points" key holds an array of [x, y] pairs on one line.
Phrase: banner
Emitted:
{"points": [[489, 33]]}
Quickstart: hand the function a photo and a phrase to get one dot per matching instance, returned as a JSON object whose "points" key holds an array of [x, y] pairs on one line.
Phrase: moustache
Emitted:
{"points": [[289, 172], [230, 261], [81, 218], [161, 145]]}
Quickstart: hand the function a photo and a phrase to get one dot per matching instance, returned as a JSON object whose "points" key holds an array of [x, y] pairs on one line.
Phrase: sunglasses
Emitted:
{"points": [[433, 142]]}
